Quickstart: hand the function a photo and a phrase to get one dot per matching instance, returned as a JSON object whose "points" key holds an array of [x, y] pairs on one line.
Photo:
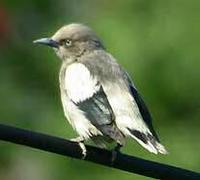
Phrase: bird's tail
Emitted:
{"points": [[148, 141]]}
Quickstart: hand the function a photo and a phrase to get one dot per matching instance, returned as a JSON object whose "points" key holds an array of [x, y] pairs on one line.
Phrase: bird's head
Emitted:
{"points": [[72, 41]]}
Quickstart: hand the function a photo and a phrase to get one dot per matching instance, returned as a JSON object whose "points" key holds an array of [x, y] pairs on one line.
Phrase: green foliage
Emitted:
{"points": [[156, 41]]}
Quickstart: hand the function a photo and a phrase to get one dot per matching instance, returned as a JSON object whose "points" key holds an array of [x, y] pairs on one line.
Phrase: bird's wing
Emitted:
{"points": [[86, 92], [141, 104], [131, 116], [148, 139]]}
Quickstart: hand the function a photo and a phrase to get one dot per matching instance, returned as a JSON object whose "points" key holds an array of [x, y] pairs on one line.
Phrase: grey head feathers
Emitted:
{"points": [[75, 40], [76, 32]]}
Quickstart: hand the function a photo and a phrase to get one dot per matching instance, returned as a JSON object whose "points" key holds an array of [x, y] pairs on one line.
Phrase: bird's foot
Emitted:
{"points": [[115, 151], [80, 142]]}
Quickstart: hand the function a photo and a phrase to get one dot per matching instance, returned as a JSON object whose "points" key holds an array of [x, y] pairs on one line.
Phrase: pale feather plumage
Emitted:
{"points": [[98, 97], [80, 84]]}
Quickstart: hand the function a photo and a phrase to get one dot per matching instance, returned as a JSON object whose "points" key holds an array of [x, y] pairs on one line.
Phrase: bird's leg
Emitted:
{"points": [[115, 151], [80, 141]]}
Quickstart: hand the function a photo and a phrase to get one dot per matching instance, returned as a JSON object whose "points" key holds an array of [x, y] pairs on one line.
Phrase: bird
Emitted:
{"points": [[99, 98]]}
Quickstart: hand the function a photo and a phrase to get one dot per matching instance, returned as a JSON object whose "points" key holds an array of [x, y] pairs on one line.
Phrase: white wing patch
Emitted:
{"points": [[79, 83]]}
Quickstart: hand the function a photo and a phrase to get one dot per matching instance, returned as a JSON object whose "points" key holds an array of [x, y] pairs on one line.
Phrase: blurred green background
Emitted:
{"points": [[158, 42]]}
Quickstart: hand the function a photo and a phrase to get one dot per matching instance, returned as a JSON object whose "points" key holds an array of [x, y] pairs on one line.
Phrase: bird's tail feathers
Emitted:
{"points": [[148, 141]]}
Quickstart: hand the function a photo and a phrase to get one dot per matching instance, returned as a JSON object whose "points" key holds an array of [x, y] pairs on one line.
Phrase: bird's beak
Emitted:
{"points": [[47, 41]]}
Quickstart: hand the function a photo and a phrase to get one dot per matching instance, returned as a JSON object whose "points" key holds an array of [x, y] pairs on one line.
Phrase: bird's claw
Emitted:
{"points": [[80, 141], [84, 150]]}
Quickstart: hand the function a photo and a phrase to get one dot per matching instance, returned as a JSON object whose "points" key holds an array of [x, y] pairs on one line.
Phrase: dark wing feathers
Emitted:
{"points": [[97, 109], [99, 112], [143, 109]]}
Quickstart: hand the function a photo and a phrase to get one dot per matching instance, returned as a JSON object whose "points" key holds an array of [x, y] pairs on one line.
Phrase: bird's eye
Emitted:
{"points": [[68, 42]]}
